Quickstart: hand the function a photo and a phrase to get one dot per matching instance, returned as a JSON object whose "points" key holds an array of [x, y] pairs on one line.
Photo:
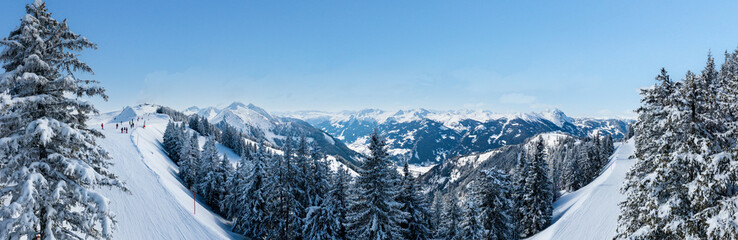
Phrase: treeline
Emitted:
{"points": [[576, 162], [684, 184], [234, 139], [172, 113], [196, 122], [203, 126]]}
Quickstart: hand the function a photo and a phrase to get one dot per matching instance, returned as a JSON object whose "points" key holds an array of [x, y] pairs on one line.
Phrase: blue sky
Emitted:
{"points": [[587, 58]]}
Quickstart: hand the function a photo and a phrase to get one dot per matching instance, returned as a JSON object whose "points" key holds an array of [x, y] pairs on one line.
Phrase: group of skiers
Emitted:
{"points": [[131, 124]]}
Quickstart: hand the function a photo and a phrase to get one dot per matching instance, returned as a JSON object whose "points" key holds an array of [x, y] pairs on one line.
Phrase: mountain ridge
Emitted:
{"points": [[429, 137]]}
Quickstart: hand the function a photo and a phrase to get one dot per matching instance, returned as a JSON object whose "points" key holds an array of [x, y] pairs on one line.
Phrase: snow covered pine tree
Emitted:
{"points": [[492, 190], [375, 215], [684, 184], [416, 225], [49, 161], [536, 194]]}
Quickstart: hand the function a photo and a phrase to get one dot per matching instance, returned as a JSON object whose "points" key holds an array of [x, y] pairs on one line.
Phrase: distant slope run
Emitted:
{"points": [[592, 211]]}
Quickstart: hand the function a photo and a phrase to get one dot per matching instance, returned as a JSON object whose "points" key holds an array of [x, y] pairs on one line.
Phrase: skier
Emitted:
{"points": [[116, 126], [101, 126], [126, 130]]}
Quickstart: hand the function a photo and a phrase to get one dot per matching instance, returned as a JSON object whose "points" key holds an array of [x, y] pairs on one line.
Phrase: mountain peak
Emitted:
{"points": [[236, 105], [261, 111], [556, 116]]}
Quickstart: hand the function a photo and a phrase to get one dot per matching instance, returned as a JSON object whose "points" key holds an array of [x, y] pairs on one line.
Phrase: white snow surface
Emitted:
{"points": [[158, 205], [592, 211]]}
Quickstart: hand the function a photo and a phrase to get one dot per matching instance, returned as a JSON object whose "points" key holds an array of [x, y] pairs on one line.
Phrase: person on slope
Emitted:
{"points": [[102, 126]]}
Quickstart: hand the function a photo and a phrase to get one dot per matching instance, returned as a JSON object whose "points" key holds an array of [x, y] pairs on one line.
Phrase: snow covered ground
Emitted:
{"points": [[592, 211], [158, 205]]}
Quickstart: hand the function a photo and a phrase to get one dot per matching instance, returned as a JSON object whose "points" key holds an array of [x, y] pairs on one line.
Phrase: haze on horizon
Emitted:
{"points": [[585, 58]]}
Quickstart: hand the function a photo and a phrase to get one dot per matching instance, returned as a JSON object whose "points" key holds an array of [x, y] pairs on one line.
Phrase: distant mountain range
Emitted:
{"points": [[426, 137]]}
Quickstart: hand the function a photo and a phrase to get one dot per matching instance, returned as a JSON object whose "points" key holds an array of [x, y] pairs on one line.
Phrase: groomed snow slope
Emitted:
{"points": [[158, 206], [592, 211]]}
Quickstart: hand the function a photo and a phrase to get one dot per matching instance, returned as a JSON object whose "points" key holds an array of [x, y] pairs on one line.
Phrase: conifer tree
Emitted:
{"points": [[537, 194], [168, 139], [219, 185], [341, 182], [50, 164], [519, 190], [284, 208], [176, 141], [375, 214], [471, 226], [637, 211], [189, 161], [669, 189], [251, 204], [230, 206], [492, 190], [716, 194], [450, 226], [436, 215], [415, 226], [210, 174], [573, 174], [323, 218]]}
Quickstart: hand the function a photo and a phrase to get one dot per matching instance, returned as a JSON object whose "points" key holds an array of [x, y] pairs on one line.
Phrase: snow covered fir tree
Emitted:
{"points": [[375, 212], [684, 185], [50, 164]]}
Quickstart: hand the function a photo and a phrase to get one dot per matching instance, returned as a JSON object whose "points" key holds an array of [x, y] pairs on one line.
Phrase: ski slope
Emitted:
{"points": [[158, 205], [592, 211]]}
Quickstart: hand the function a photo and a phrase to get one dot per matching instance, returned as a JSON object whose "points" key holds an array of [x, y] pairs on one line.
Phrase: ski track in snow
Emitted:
{"points": [[592, 211], [158, 205]]}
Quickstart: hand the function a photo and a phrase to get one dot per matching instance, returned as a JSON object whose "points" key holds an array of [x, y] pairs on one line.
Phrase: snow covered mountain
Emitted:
{"points": [[428, 137], [259, 125]]}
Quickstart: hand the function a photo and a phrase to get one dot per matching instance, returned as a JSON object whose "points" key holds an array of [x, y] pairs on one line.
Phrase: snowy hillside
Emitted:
{"points": [[592, 211], [158, 206], [430, 137], [261, 126], [453, 175]]}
